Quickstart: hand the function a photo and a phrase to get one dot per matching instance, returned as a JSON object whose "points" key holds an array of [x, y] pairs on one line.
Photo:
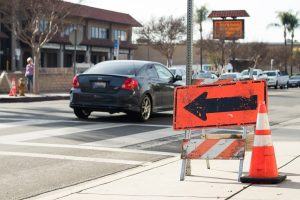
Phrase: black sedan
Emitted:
{"points": [[294, 81], [137, 88]]}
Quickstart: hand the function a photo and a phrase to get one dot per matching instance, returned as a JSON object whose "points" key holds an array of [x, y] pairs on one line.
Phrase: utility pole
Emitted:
{"points": [[189, 42]]}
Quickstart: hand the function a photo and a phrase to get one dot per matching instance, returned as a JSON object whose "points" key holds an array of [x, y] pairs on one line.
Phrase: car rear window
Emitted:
{"points": [[271, 73], [115, 67], [295, 77]]}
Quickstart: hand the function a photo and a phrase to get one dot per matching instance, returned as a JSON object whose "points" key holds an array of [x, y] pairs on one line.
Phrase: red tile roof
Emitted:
{"points": [[88, 12], [228, 13]]}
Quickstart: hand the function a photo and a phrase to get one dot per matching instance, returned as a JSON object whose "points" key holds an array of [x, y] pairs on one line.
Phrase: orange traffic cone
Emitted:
{"points": [[13, 90], [263, 167]]}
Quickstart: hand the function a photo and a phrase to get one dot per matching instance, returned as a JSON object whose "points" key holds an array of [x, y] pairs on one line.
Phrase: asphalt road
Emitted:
{"points": [[44, 147]]}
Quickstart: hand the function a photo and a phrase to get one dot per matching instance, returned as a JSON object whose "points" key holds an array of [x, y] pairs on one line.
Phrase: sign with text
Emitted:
{"points": [[228, 29], [218, 105]]}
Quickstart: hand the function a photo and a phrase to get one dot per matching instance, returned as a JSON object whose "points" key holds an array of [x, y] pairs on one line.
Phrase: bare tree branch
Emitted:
{"points": [[163, 35]]}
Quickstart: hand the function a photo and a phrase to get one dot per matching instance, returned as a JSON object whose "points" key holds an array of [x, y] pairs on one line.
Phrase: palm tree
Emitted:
{"points": [[201, 17], [293, 24], [284, 18]]}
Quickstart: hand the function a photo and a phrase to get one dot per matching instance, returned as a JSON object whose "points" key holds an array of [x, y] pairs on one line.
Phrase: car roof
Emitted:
{"points": [[131, 61], [231, 73], [176, 67], [253, 70]]}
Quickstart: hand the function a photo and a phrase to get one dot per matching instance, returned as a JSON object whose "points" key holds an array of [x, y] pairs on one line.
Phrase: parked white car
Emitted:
{"points": [[257, 74], [277, 78], [231, 75]]}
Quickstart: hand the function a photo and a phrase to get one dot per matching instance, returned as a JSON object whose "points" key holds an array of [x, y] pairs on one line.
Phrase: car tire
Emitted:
{"points": [[81, 113], [145, 110]]}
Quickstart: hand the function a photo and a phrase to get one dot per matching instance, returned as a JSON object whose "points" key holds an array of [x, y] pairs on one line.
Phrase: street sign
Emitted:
{"points": [[228, 29], [116, 48], [218, 105], [76, 37]]}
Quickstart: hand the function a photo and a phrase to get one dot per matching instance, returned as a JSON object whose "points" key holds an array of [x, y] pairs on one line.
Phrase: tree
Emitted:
{"points": [[201, 17], [164, 34], [35, 22], [256, 52], [284, 18], [292, 25]]}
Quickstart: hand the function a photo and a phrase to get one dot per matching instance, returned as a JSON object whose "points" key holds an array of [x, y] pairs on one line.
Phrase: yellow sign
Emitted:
{"points": [[228, 29]]}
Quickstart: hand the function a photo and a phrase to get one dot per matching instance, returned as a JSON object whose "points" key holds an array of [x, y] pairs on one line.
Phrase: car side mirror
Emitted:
{"points": [[178, 78]]}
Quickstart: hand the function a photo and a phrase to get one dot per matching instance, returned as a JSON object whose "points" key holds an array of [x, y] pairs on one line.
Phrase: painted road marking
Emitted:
{"points": [[26, 123], [56, 132], [74, 158], [67, 146], [133, 139]]}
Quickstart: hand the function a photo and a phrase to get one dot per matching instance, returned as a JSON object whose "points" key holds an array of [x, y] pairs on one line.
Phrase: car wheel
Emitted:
{"points": [[145, 110], [82, 113]]}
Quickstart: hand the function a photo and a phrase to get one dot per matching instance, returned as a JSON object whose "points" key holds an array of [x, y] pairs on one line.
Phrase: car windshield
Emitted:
{"points": [[204, 75], [120, 68], [225, 76], [295, 77], [246, 72], [270, 73], [173, 71]]}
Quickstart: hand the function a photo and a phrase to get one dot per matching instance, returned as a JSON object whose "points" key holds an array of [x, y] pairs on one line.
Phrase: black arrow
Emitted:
{"points": [[201, 106]]}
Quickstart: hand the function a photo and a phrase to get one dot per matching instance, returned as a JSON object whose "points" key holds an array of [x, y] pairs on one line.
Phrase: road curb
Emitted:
{"points": [[32, 99]]}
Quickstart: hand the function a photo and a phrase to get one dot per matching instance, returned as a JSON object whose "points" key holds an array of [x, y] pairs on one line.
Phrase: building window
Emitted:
{"points": [[71, 27], [43, 25], [122, 35], [99, 33]]}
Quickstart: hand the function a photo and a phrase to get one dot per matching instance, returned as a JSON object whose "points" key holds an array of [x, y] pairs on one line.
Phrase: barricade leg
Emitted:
{"points": [[183, 170], [207, 160], [186, 163], [242, 160]]}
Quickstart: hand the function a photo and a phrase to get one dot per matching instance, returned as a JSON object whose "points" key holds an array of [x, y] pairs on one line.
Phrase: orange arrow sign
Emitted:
{"points": [[218, 104]]}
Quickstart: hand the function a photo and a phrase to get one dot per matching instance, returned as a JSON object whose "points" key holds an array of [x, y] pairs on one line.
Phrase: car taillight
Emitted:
{"points": [[75, 82], [130, 84]]}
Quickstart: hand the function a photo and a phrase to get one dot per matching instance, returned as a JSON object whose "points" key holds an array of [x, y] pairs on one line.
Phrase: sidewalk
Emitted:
{"points": [[160, 181], [29, 97]]}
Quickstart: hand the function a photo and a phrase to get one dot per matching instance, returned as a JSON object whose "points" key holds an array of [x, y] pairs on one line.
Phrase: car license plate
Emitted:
{"points": [[99, 84]]}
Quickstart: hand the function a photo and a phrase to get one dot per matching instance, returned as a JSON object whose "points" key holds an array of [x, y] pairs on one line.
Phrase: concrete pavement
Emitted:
{"points": [[160, 181]]}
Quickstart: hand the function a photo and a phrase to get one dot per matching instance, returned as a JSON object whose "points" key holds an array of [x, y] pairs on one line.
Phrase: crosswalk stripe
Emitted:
{"points": [[25, 123], [74, 158], [68, 146], [133, 139], [56, 132]]}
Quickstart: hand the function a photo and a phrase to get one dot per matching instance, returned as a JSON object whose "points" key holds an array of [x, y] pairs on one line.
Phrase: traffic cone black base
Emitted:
{"points": [[273, 180]]}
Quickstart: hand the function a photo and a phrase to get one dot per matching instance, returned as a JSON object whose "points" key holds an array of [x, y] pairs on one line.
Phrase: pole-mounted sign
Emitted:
{"points": [[228, 29]]}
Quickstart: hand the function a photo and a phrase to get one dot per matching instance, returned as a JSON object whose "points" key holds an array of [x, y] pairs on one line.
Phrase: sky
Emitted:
{"points": [[262, 13]]}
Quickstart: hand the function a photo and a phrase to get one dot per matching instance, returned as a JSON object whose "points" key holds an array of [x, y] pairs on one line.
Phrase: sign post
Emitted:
{"points": [[75, 38], [186, 164], [116, 48]]}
